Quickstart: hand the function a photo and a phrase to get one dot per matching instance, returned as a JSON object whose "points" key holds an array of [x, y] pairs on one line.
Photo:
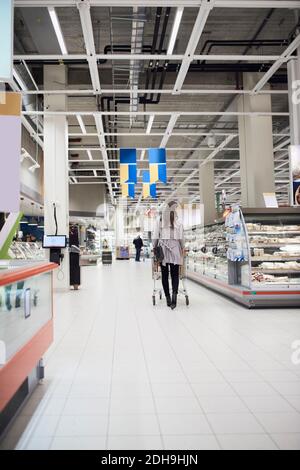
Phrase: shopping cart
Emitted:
{"points": [[156, 276]]}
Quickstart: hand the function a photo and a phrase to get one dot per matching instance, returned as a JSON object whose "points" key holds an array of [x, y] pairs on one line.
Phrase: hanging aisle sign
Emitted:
{"points": [[10, 151], [128, 190], [149, 190], [158, 165], [294, 152], [128, 171], [6, 40]]}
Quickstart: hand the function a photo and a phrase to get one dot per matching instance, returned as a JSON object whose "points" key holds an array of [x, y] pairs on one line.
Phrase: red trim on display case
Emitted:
{"points": [[10, 276], [240, 292], [17, 369]]}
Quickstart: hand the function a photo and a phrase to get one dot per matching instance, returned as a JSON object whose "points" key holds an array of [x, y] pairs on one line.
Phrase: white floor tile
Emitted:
{"points": [[117, 354], [271, 404], [287, 441], [172, 390], [246, 442], [177, 405], [132, 405], [130, 389], [255, 389], [81, 406], [184, 424], [134, 443], [280, 422], [287, 388], [79, 443], [200, 442], [45, 425], [294, 402], [134, 425], [78, 426], [214, 389], [39, 443], [234, 423], [214, 404]]}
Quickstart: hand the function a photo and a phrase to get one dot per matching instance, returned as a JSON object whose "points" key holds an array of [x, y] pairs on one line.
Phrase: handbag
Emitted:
{"points": [[158, 251], [158, 254]]}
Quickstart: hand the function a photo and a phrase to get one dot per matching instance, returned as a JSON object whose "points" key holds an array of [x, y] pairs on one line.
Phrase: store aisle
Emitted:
{"points": [[124, 374]]}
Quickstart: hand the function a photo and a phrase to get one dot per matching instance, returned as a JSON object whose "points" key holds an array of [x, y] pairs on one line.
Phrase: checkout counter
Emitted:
{"points": [[26, 331]]}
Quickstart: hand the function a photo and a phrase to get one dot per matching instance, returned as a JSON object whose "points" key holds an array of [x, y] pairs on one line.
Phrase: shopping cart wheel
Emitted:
{"points": [[160, 295], [187, 300], [153, 300]]}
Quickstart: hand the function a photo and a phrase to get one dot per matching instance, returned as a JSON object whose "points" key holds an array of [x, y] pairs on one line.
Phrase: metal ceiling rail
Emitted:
{"points": [[156, 113], [169, 161], [169, 149], [165, 91], [88, 34], [100, 130], [159, 134], [282, 59], [203, 13], [208, 158], [147, 57], [290, 4]]}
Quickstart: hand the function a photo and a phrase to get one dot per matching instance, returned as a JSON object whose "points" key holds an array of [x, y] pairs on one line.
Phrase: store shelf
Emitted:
{"points": [[275, 260], [275, 245], [279, 232], [276, 271]]}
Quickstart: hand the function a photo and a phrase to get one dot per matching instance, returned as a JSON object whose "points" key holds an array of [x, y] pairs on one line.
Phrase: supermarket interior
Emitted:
{"points": [[150, 225]]}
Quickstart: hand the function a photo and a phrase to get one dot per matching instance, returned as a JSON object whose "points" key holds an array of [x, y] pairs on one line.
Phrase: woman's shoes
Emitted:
{"points": [[174, 301], [169, 301]]}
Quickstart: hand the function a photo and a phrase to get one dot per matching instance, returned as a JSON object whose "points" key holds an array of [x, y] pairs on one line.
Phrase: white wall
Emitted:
{"points": [[88, 199]]}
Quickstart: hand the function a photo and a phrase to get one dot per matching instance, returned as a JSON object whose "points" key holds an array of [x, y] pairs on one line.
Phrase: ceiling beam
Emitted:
{"points": [[290, 4], [169, 130], [166, 91], [146, 57], [282, 59], [88, 34], [204, 10], [100, 130], [156, 113]]}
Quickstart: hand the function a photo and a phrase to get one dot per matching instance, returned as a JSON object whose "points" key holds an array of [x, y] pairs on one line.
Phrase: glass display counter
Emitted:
{"points": [[27, 250], [26, 330], [253, 256]]}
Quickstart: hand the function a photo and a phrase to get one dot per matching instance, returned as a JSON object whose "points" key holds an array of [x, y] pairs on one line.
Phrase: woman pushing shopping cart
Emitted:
{"points": [[168, 249]]}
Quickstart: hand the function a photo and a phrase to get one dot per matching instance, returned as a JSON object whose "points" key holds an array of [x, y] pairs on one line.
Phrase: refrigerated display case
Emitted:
{"points": [[26, 331], [253, 256]]}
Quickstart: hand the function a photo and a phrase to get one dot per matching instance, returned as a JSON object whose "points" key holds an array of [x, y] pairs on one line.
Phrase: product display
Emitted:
{"points": [[27, 250], [254, 249]]}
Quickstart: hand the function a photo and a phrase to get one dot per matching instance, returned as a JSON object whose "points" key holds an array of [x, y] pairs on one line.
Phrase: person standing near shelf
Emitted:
{"points": [[168, 234], [138, 243]]}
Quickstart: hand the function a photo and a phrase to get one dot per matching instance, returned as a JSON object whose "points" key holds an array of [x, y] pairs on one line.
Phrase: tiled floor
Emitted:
{"points": [[123, 374]]}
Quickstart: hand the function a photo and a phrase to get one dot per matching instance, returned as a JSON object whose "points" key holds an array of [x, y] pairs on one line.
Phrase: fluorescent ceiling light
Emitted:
{"points": [[90, 155], [175, 30], [57, 30], [19, 80], [150, 123], [81, 124]]}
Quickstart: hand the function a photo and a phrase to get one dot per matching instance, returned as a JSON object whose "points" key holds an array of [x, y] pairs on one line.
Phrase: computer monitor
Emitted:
{"points": [[54, 241]]}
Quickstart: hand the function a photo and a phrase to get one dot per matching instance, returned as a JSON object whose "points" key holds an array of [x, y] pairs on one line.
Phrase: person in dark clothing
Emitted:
{"points": [[138, 243], [74, 257]]}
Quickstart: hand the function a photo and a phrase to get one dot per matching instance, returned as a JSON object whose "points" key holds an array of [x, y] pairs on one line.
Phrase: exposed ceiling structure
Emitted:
{"points": [[157, 74]]}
